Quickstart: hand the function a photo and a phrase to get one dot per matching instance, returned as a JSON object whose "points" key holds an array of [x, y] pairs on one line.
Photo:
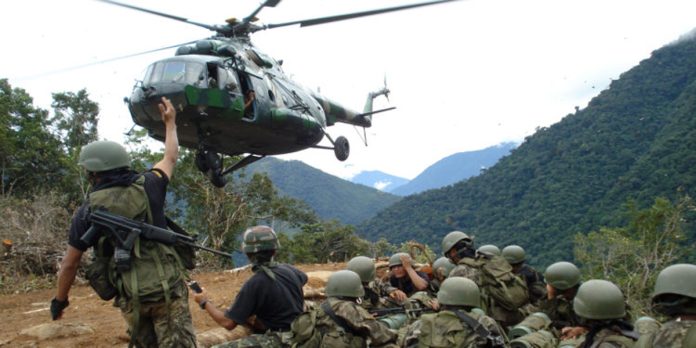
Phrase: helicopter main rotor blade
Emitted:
{"points": [[336, 18], [267, 3], [161, 14], [102, 61]]}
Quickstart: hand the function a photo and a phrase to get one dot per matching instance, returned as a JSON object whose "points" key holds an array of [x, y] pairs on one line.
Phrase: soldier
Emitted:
{"points": [[268, 302], [340, 321], [459, 323], [515, 255], [490, 249], [403, 277], [601, 308], [562, 283], [441, 269], [504, 295], [674, 297], [151, 292], [376, 291]]}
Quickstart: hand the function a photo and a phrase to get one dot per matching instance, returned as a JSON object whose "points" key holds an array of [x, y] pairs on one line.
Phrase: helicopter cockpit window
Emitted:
{"points": [[173, 71]]}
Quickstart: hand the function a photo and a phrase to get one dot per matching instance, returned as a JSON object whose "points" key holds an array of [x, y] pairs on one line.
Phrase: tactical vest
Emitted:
{"points": [[154, 269], [315, 328]]}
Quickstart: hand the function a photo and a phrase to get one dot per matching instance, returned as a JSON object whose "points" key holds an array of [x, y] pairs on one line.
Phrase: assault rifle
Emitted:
{"points": [[123, 232], [410, 312]]}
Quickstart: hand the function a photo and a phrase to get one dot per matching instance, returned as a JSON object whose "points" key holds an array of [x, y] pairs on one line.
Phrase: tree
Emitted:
{"points": [[76, 118], [631, 256], [31, 157]]}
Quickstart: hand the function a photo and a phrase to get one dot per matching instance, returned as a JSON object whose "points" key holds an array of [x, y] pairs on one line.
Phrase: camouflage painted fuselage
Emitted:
{"points": [[207, 83]]}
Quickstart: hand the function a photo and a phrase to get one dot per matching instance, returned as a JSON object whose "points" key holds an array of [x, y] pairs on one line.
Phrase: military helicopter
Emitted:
{"points": [[233, 99]]}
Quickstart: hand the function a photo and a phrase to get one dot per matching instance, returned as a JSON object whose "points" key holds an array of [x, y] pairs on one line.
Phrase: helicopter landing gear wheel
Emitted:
{"points": [[216, 177], [210, 163], [201, 162], [341, 148]]}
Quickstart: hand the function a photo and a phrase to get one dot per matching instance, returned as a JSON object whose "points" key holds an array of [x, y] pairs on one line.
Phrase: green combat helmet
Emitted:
{"points": [[445, 264], [344, 283], [599, 300], [395, 260], [364, 267], [259, 238], [514, 254], [675, 290], [489, 249], [562, 275], [103, 155], [453, 238], [459, 291]]}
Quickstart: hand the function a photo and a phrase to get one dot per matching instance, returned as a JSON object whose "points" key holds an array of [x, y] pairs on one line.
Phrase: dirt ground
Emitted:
{"points": [[24, 311]]}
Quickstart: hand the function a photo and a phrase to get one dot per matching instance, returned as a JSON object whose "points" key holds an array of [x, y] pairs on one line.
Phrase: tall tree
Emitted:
{"points": [[31, 158], [76, 118]]}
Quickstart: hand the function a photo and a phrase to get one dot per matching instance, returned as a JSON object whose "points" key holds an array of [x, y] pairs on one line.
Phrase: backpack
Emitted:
{"points": [[497, 281], [155, 268]]}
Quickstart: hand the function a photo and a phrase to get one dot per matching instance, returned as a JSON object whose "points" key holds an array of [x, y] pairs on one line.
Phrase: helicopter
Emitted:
{"points": [[234, 100]]}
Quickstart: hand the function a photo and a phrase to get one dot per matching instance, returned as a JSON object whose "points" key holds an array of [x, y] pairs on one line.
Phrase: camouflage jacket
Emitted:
{"points": [[605, 338], [672, 334], [535, 283], [445, 329], [363, 326], [560, 311], [377, 295]]}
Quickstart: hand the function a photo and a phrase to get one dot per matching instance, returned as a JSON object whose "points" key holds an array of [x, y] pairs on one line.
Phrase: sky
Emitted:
{"points": [[464, 75]]}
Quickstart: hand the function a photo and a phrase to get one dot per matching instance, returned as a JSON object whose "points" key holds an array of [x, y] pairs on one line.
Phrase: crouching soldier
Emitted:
{"points": [[459, 323], [601, 308], [340, 321], [674, 297], [268, 302]]}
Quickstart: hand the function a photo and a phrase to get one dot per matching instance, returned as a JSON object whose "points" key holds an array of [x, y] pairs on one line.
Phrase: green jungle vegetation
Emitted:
{"points": [[41, 186], [330, 197], [632, 149]]}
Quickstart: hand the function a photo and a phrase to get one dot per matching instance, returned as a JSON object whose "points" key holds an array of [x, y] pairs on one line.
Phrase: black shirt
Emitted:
{"points": [[156, 189], [405, 284], [275, 303]]}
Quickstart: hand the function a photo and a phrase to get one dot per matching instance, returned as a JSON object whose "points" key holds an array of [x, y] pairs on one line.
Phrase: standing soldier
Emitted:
{"points": [[147, 283], [601, 308], [459, 323], [515, 255], [674, 297], [340, 321], [268, 302], [504, 295]]}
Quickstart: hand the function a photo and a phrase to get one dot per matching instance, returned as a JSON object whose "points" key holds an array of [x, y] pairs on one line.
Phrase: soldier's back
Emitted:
{"points": [[445, 329], [676, 334]]}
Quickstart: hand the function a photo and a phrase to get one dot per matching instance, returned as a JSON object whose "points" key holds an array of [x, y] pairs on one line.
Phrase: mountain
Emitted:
{"points": [[635, 141], [329, 196], [454, 168], [379, 180]]}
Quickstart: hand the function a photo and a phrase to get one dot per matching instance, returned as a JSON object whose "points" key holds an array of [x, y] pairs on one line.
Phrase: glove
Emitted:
{"points": [[57, 307]]}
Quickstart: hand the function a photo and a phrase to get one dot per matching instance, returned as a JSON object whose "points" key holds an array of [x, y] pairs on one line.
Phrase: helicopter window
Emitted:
{"points": [[173, 71]]}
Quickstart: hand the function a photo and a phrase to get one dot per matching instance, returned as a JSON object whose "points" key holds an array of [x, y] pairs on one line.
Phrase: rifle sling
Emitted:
{"points": [[326, 306], [473, 324]]}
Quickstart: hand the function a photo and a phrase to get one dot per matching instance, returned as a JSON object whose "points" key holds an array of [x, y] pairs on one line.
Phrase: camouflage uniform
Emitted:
{"points": [[268, 340], [445, 329], [170, 322], [364, 327], [560, 311], [535, 282], [673, 334], [605, 338]]}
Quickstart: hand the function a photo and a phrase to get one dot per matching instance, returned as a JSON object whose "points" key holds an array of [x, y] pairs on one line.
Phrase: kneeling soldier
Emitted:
{"points": [[459, 323]]}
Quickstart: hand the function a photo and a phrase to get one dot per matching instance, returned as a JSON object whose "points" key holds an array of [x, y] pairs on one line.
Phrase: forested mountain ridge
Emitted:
{"points": [[635, 140], [329, 196], [454, 168]]}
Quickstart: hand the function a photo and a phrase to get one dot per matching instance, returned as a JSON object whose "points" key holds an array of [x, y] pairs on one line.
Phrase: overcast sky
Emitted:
{"points": [[463, 75]]}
